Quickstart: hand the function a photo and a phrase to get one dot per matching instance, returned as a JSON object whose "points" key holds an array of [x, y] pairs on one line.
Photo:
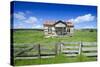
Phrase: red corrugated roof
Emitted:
{"points": [[51, 23]]}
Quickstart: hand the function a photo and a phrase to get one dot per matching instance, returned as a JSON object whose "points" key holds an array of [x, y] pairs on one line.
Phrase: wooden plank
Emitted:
{"points": [[90, 54], [47, 52], [25, 58], [89, 44], [89, 49], [45, 48], [23, 51], [70, 51], [71, 47], [19, 49], [70, 42], [34, 57], [80, 48], [47, 56], [39, 51]]}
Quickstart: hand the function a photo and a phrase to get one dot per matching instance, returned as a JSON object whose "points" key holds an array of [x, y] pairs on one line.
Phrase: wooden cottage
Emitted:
{"points": [[58, 28]]}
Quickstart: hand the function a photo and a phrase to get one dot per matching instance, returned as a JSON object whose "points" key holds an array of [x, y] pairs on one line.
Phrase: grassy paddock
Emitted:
{"points": [[33, 36]]}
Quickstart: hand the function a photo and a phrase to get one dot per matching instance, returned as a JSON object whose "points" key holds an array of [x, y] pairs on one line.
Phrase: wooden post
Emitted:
{"points": [[61, 47], [80, 48], [56, 49], [39, 51]]}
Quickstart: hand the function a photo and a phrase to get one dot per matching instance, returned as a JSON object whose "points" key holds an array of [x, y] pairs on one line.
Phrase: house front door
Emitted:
{"points": [[60, 30]]}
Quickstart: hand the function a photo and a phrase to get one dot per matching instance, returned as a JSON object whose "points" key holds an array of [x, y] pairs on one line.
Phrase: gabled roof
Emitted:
{"points": [[52, 23], [60, 22]]}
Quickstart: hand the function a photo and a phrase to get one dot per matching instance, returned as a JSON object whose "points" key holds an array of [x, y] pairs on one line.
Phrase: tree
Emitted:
{"points": [[91, 30]]}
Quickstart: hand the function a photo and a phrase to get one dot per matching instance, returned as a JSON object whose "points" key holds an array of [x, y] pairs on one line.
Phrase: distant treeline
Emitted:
{"points": [[27, 29], [91, 30]]}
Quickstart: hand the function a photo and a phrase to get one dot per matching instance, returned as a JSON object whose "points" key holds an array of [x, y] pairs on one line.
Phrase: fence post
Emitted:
{"points": [[39, 51], [61, 47], [56, 49], [80, 48]]}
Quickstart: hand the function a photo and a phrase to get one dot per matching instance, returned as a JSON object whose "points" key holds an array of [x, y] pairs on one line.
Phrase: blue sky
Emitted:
{"points": [[32, 14]]}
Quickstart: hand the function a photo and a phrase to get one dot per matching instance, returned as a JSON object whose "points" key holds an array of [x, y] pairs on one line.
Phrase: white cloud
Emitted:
{"points": [[19, 16], [31, 19], [22, 17], [84, 18]]}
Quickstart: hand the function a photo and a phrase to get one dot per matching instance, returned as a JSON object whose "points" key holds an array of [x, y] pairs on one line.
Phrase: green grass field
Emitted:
{"points": [[31, 36], [37, 37]]}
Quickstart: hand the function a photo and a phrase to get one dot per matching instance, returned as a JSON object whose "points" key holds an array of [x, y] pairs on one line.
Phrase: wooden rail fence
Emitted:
{"points": [[70, 49]]}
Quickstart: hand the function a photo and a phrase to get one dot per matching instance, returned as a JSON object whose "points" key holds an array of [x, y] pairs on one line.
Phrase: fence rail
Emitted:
{"points": [[84, 48], [89, 49], [31, 51]]}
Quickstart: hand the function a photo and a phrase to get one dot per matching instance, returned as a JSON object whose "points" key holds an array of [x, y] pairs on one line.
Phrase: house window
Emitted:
{"points": [[68, 30], [49, 30]]}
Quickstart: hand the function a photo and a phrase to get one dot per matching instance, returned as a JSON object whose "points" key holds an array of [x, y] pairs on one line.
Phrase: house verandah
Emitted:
{"points": [[58, 28]]}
